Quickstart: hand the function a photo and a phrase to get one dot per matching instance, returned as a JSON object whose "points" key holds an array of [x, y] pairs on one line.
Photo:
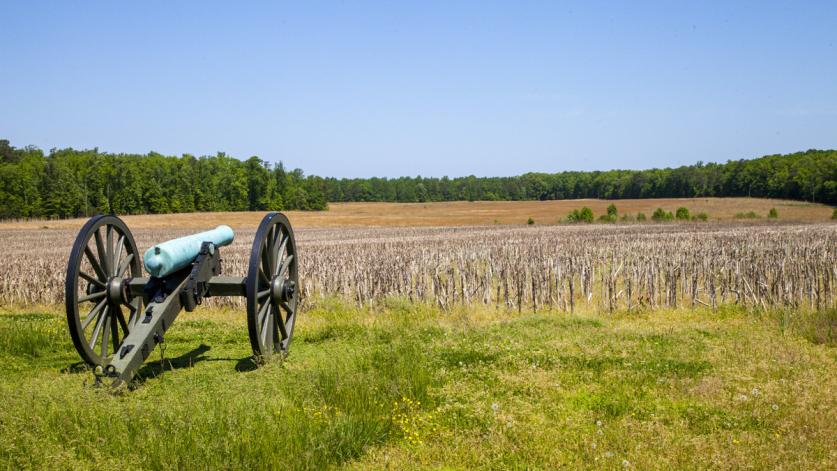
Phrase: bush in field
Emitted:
{"points": [[682, 214], [530, 221], [747, 215], [834, 214], [583, 215], [640, 217], [703, 217], [662, 215], [773, 214], [611, 216]]}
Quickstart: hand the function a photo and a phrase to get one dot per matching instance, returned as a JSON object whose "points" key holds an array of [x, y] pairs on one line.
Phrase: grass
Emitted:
{"points": [[405, 386], [461, 213]]}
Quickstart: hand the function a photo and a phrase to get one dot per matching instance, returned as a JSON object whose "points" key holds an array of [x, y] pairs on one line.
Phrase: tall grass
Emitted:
{"points": [[408, 385]]}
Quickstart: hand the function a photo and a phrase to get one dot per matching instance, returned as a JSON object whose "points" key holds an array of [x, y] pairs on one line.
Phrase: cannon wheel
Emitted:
{"points": [[103, 254], [272, 287]]}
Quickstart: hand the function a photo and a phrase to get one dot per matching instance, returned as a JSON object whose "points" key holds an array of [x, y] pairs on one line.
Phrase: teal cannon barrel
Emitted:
{"points": [[170, 256]]}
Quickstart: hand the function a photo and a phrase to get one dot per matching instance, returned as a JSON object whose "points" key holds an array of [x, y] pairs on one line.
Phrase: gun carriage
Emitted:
{"points": [[117, 316]]}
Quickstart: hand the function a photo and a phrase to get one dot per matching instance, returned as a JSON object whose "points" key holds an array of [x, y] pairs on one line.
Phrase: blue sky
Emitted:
{"points": [[432, 88]]}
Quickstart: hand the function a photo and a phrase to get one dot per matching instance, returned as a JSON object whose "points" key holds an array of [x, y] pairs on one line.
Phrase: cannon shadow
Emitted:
{"points": [[189, 359]]}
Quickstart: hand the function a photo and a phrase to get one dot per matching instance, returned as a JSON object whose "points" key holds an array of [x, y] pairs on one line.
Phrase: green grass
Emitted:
{"points": [[405, 386]]}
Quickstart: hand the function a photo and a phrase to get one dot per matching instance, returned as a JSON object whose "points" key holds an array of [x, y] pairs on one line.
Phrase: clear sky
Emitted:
{"points": [[431, 88]]}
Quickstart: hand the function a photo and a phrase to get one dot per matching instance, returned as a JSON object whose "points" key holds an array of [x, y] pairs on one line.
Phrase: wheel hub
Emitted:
{"points": [[115, 291], [282, 290]]}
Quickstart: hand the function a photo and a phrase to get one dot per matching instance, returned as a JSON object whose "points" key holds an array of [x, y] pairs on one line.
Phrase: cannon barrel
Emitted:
{"points": [[170, 256]]}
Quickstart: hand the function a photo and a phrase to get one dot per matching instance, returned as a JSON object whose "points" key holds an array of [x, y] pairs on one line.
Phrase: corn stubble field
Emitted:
{"points": [[558, 267], [652, 346]]}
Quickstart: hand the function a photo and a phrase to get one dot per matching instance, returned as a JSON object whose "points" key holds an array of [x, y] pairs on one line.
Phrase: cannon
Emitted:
{"points": [[117, 316]]}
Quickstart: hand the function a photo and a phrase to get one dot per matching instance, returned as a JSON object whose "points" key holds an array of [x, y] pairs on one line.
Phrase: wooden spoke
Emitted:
{"points": [[131, 307], [266, 325], [106, 335], [281, 324], [120, 244], [274, 330], [263, 278], [114, 329], [124, 265], [92, 259], [278, 246], [91, 279], [280, 251], [267, 252], [95, 335], [122, 322], [109, 249], [289, 326], [92, 296], [266, 267], [93, 313], [285, 264], [289, 306], [100, 248], [263, 312], [134, 306]]}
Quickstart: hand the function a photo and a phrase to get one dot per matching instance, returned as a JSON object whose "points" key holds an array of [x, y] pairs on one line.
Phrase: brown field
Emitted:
{"points": [[492, 257], [567, 267], [460, 213]]}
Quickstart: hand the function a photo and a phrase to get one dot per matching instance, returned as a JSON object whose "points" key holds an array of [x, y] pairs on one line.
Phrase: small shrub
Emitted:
{"points": [[703, 217], [662, 215], [574, 216], [583, 215], [611, 211], [607, 218], [747, 215], [773, 214], [626, 218], [640, 216], [682, 214], [586, 214], [834, 214], [530, 221]]}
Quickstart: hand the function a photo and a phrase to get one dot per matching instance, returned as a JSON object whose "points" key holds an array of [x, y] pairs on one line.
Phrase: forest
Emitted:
{"points": [[70, 183], [808, 176], [64, 183]]}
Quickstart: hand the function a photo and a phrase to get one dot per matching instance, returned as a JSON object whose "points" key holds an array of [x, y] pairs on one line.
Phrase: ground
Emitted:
{"points": [[463, 213], [401, 386]]}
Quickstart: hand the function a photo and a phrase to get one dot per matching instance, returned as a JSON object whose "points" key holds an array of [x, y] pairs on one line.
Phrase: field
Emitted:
{"points": [[404, 386], [462, 213], [483, 344]]}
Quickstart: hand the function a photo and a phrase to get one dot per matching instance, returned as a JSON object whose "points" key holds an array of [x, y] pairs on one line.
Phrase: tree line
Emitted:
{"points": [[71, 183], [808, 176]]}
